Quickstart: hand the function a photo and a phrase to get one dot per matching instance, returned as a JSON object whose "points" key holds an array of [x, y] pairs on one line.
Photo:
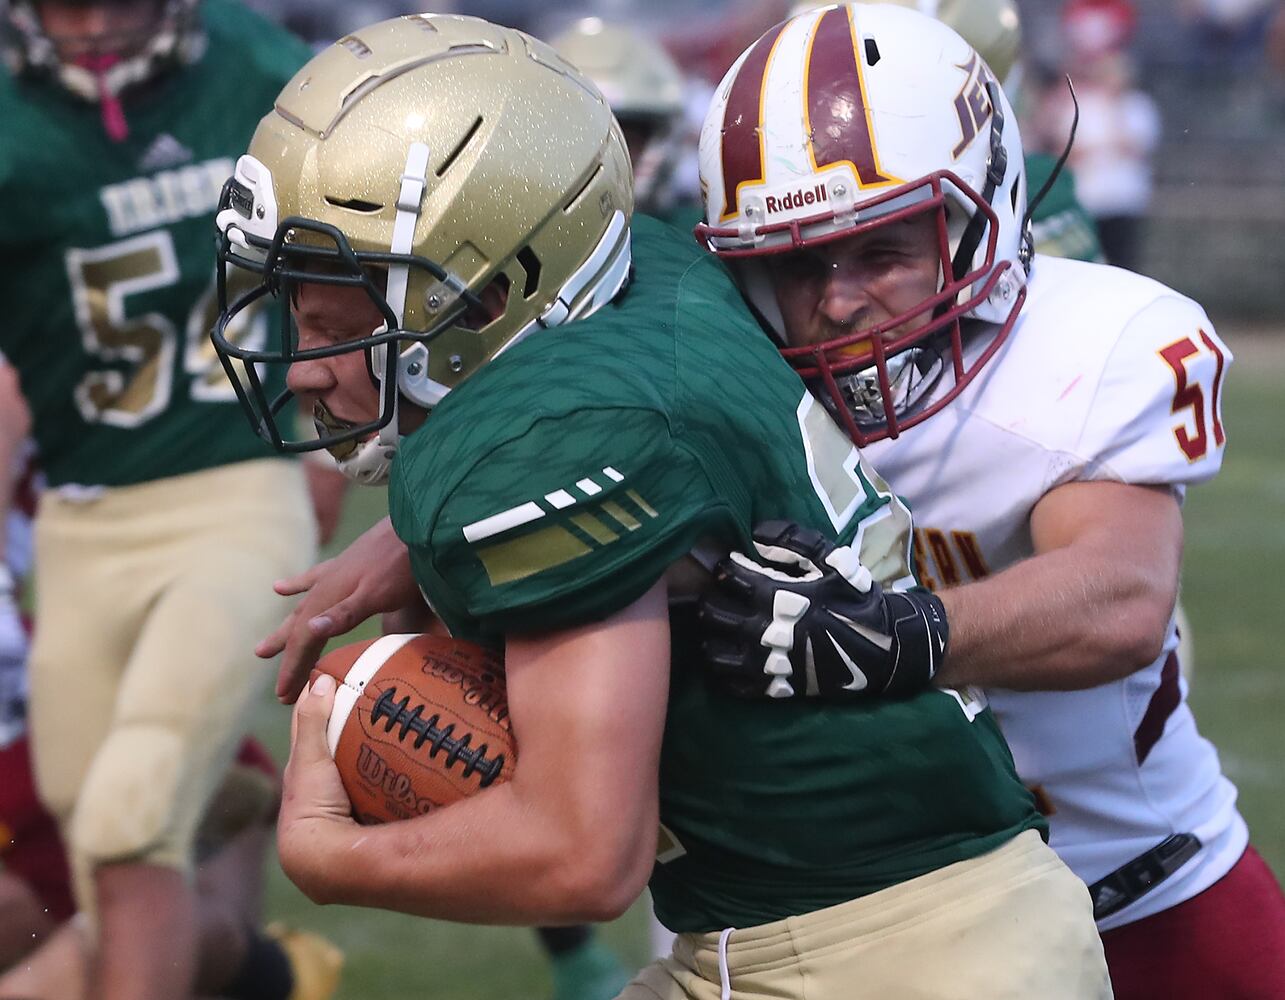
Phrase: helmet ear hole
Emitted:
{"points": [[492, 303], [531, 266]]}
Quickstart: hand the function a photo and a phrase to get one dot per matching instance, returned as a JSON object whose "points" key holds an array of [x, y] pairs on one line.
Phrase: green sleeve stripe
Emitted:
{"points": [[530, 554], [553, 545], [643, 505], [594, 528], [622, 517]]}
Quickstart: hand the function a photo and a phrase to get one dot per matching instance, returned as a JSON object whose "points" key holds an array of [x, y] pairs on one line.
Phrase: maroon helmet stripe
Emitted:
{"points": [[962, 110], [835, 100], [742, 149], [1164, 702]]}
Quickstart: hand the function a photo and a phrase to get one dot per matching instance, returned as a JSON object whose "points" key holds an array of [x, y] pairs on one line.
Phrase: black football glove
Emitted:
{"points": [[806, 619]]}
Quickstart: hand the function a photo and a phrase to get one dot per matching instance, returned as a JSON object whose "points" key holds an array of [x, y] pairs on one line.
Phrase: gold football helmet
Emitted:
{"points": [[645, 89], [424, 159]]}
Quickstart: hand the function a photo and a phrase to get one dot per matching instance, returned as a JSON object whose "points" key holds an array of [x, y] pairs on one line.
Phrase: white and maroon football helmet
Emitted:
{"points": [[852, 117]]}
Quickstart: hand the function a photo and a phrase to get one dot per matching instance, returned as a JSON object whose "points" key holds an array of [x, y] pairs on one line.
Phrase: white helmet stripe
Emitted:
{"points": [[783, 124]]}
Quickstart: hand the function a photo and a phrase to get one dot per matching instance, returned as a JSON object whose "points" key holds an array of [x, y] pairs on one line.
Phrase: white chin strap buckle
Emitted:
{"points": [[413, 381], [369, 464]]}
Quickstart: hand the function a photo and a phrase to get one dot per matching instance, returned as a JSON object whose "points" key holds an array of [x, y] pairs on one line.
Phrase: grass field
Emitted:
{"points": [[1234, 591]]}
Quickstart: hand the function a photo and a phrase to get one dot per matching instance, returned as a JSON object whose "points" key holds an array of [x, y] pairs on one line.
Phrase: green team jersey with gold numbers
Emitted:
{"points": [[107, 259], [559, 482]]}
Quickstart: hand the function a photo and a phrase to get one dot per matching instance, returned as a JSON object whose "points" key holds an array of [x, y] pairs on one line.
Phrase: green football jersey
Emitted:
{"points": [[683, 216], [1060, 226], [555, 487], [107, 259]]}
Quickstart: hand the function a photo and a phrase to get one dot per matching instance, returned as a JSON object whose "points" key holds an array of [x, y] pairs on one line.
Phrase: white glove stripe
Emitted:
{"points": [[884, 642], [778, 664], [780, 688], [787, 608], [859, 680]]}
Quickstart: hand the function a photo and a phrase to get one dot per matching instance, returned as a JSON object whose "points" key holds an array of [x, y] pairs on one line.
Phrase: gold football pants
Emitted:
{"points": [[150, 599], [1014, 924]]}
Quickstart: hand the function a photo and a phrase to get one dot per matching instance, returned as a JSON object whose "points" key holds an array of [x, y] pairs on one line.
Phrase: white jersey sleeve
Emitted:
{"points": [[1156, 416]]}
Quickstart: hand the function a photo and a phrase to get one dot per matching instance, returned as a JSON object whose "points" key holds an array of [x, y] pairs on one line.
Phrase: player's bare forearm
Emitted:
{"points": [[571, 838], [1092, 605], [502, 858]]}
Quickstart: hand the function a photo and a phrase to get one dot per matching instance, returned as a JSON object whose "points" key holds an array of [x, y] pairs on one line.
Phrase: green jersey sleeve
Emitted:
{"points": [[570, 520]]}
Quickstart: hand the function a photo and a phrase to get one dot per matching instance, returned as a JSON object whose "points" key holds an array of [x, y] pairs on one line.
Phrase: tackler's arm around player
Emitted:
{"points": [[571, 838], [1090, 606], [369, 577]]}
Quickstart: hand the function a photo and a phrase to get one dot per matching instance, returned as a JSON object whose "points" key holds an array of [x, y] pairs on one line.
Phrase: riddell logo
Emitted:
{"points": [[797, 199]]}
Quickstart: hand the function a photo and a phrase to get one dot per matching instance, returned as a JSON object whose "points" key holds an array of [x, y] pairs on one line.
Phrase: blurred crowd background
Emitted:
{"points": [[1181, 139]]}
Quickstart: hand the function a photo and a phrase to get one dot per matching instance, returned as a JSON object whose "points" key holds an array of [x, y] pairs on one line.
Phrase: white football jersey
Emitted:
{"points": [[1107, 375]]}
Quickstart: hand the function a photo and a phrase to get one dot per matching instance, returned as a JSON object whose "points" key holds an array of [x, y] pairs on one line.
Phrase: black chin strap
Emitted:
{"points": [[996, 167], [1047, 186]]}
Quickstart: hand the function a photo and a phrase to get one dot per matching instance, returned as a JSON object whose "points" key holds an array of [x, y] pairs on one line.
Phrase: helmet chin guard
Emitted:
{"points": [[369, 464]]}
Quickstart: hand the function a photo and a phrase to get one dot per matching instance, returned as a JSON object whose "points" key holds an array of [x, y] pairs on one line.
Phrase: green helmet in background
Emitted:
{"points": [[646, 91], [992, 27]]}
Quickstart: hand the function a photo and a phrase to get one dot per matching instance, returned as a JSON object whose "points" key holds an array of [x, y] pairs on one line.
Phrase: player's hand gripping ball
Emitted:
{"points": [[420, 721]]}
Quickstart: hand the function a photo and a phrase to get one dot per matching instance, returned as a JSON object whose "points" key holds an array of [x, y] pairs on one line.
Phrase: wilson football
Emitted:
{"points": [[419, 722]]}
